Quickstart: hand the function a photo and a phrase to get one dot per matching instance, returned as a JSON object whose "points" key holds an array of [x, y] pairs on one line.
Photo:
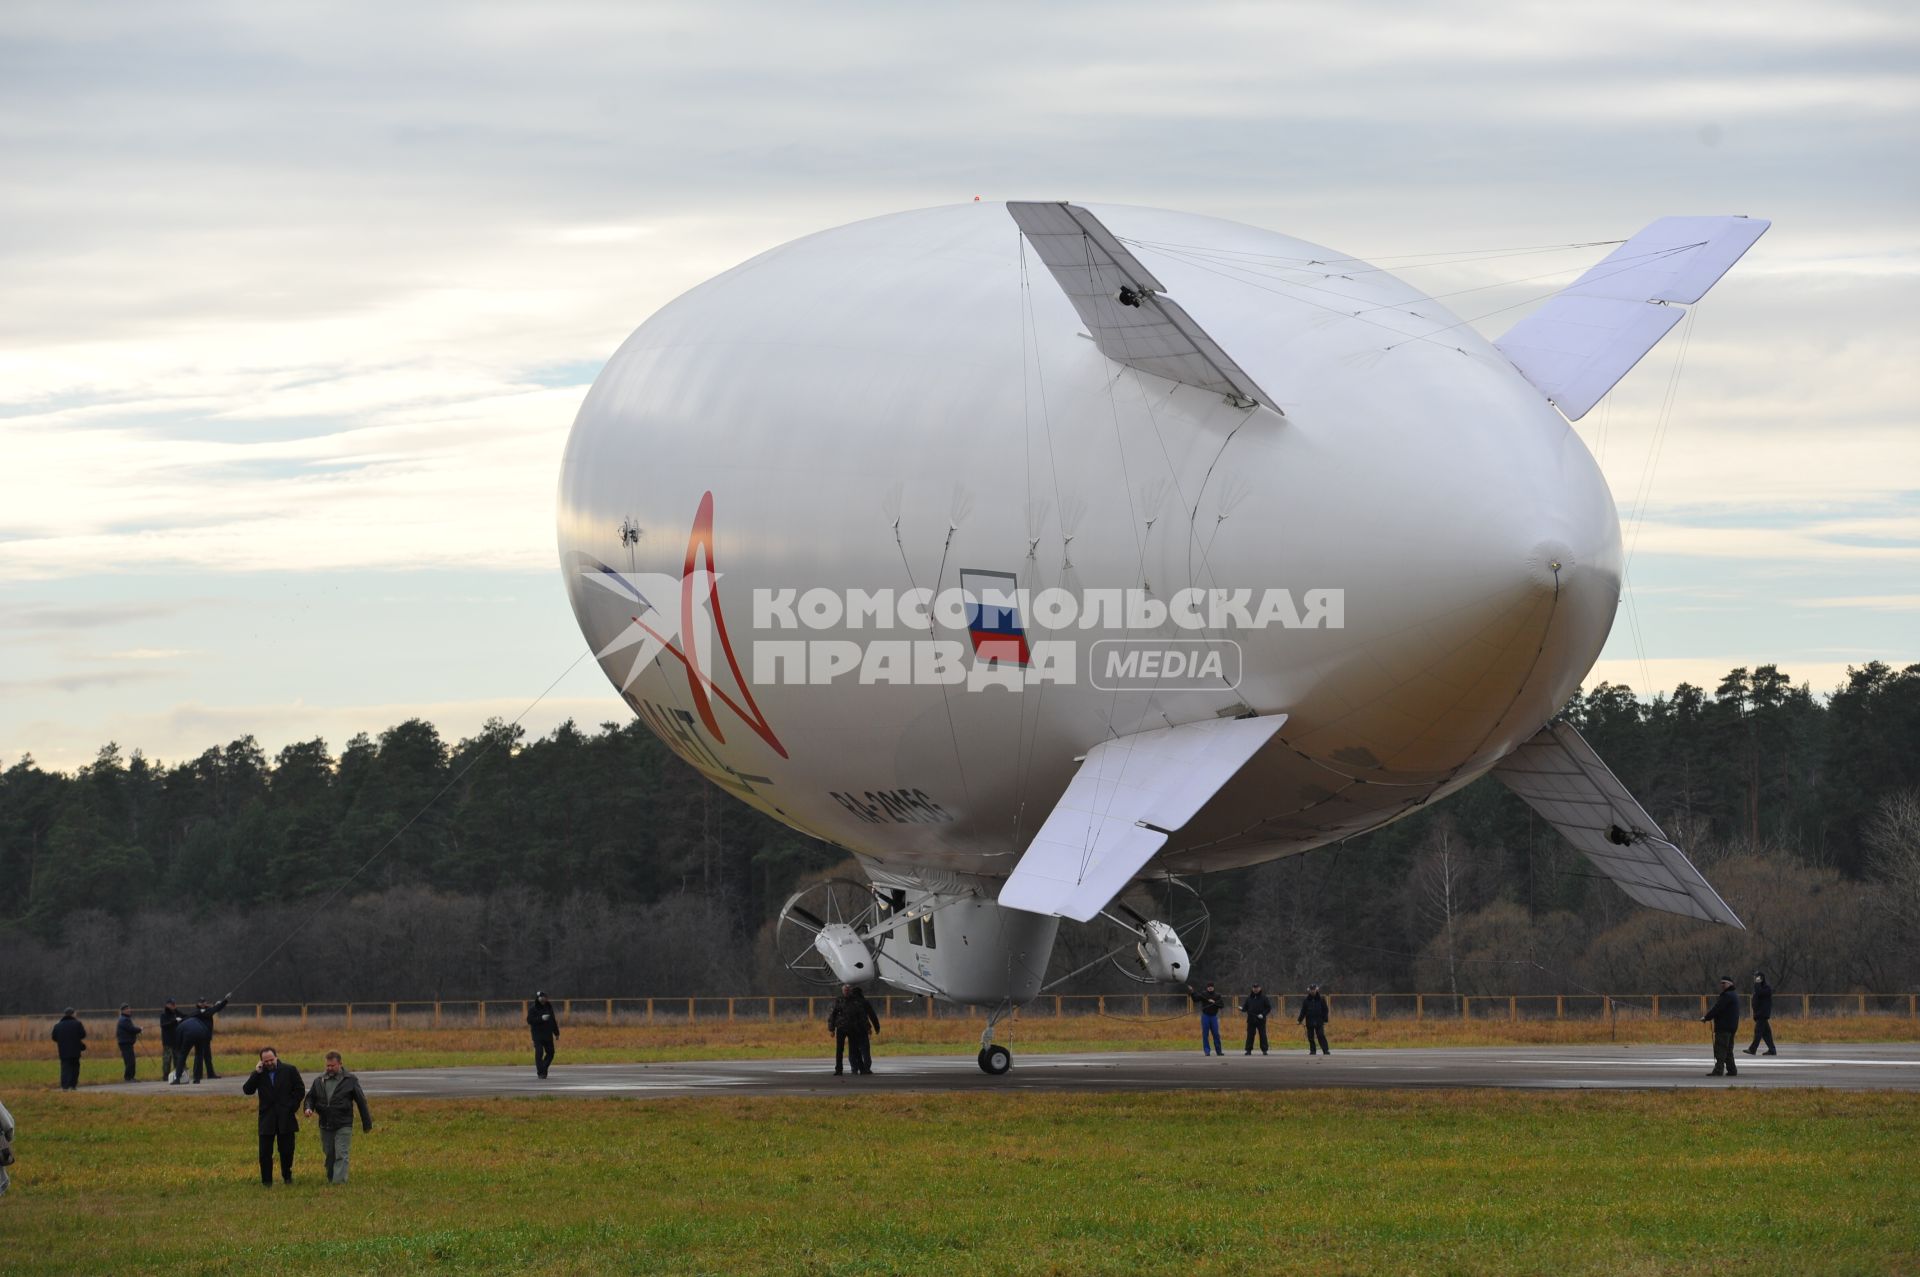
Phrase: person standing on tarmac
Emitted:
{"points": [[124, 1033], [1209, 1004], [173, 1058], [858, 1018], [1256, 1008], [1313, 1014], [1762, 1014], [545, 1027], [70, 1039], [1725, 1014], [837, 1024]]}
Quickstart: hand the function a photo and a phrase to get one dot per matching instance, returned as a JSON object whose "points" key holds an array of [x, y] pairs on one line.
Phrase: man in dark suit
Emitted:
{"points": [[70, 1039], [544, 1025], [1762, 1014], [858, 1021], [1725, 1014], [125, 1032], [173, 1058], [1313, 1014], [1256, 1007], [281, 1092]]}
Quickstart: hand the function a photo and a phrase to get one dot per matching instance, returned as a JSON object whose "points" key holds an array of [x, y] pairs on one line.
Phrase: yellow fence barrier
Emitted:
{"points": [[471, 1013]]}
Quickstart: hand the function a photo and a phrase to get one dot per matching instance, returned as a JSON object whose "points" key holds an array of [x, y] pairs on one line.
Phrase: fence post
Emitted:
{"points": [[1513, 1009], [810, 1008], [1373, 1006], [1056, 1006], [1806, 1005], [1913, 1006], [480, 1013], [1703, 1005], [929, 1002], [729, 1010], [393, 1015], [1419, 1007], [1466, 1009], [769, 1010], [349, 1017], [436, 1013], [1143, 1006], [1656, 1006], [609, 1013], [303, 1015], [689, 1010], [649, 1010], [1863, 1004]]}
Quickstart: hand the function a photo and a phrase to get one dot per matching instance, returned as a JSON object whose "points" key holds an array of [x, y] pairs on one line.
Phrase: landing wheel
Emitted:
{"points": [[995, 1060]]}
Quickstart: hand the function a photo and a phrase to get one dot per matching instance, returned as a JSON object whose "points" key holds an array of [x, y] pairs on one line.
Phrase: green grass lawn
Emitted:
{"points": [[1329, 1182]]}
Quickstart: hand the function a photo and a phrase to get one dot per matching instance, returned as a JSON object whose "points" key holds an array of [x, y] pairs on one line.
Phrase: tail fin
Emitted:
{"points": [[1591, 333]]}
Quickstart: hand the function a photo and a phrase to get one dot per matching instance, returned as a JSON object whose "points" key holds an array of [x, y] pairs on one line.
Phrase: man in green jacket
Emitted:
{"points": [[332, 1099]]}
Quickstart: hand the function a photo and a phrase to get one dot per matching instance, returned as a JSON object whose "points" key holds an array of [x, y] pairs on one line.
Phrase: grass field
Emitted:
{"points": [[1332, 1182], [28, 1061]]}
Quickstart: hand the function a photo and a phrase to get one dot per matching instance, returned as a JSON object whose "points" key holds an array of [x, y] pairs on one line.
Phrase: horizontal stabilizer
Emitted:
{"points": [[1121, 303], [1590, 334], [1561, 777], [1128, 795]]}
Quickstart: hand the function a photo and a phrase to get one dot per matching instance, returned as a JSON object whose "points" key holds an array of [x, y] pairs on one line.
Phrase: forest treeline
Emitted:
{"points": [[598, 864]]}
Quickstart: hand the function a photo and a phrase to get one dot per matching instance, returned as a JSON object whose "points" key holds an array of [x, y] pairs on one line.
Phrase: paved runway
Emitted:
{"points": [[1861, 1067]]}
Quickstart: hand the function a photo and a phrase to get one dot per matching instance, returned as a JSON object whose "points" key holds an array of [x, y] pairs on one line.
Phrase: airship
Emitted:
{"points": [[1038, 552]]}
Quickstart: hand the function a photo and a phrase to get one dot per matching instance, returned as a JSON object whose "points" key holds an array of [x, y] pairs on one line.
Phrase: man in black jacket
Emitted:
{"points": [[1313, 1014], [1762, 1014], [173, 1060], [1209, 1004], [1256, 1008], [334, 1096], [838, 1024], [70, 1038], [124, 1033], [545, 1027], [858, 1019], [280, 1091], [1725, 1014]]}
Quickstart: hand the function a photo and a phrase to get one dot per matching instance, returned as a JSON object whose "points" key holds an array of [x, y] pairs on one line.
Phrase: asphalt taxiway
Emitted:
{"points": [[1856, 1067]]}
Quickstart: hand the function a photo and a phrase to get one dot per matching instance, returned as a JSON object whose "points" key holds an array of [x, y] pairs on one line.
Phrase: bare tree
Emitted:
{"points": [[1441, 877], [1893, 847]]}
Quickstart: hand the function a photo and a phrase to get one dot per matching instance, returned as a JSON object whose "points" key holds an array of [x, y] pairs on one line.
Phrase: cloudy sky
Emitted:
{"points": [[300, 302]]}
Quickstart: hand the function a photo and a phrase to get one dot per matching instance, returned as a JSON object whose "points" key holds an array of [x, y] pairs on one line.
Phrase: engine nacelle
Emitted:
{"points": [[1162, 955], [846, 954]]}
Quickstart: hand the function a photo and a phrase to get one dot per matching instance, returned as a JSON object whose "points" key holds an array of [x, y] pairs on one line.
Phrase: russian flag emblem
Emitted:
{"points": [[993, 616]]}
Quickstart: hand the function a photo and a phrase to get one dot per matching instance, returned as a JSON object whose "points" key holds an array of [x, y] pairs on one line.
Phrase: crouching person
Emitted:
{"points": [[335, 1094]]}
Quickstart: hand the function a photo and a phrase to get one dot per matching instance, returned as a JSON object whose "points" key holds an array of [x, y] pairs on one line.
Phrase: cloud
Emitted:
{"points": [[48, 620], [81, 681], [295, 290], [1868, 602]]}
